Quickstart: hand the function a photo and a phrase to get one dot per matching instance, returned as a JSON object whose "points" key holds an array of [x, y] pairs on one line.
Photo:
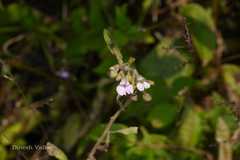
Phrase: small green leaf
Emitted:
{"points": [[127, 131], [223, 138], [146, 4], [191, 130], [230, 74], [222, 132], [97, 131], [8, 135]]}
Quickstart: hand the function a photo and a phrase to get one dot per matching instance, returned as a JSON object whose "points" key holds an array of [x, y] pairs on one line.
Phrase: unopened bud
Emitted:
{"points": [[147, 97]]}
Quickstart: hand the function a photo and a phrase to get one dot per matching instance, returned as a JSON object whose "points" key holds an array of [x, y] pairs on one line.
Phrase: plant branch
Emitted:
{"points": [[107, 129], [11, 41]]}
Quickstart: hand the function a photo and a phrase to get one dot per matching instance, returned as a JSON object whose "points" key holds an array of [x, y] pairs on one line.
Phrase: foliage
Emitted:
{"points": [[54, 85]]}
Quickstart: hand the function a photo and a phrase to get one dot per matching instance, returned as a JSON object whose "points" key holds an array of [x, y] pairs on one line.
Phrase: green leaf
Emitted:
{"points": [[223, 136], [127, 131], [81, 44], [222, 132], [97, 131], [201, 26], [162, 115], [24, 15], [147, 153], [54, 151], [3, 153], [191, 130], [8, 135], [181, 83], [33, 118], [140, 153], [198, 13], [146, 4], [96, 16], [122, 20], [76, 19], [126, 31], [68, 134], [118, 139], [162, 62], [151, 147], [221, 108], [230, 74]]}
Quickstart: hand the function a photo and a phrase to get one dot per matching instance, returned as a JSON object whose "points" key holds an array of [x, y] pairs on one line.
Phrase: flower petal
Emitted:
{"points": [[146, 85], [121, 90], [129, 89], [140, 86], [124, 82]]}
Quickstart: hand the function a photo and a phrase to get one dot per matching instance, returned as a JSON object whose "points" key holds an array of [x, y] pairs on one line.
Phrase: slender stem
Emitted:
{"points": [[112, 47], [11, 41], [107, 129]]}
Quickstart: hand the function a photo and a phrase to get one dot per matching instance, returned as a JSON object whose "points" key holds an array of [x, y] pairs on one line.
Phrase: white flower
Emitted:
{"points": [[141, 86], [124, 88], [146, 85]]}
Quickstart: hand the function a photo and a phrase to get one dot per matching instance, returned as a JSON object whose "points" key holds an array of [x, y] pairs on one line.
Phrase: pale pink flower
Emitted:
{"points": [[124, 88], [141, 86], [63, 73]]}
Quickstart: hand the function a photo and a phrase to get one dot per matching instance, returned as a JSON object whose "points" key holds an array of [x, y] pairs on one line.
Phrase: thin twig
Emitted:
{"points": [[187, 36], [9, 76], [107, 129], [220, 47], [11, 41]]}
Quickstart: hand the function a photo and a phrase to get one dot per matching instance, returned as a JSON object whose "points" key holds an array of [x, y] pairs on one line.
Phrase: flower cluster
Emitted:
{"points": [[130, 81]]}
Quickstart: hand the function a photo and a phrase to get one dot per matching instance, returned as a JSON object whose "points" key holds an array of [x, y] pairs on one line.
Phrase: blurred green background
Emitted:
{"points": [[54, 84]]}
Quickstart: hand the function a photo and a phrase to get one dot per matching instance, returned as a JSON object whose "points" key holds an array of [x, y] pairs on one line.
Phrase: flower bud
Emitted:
{"points": [[147, 97]]}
